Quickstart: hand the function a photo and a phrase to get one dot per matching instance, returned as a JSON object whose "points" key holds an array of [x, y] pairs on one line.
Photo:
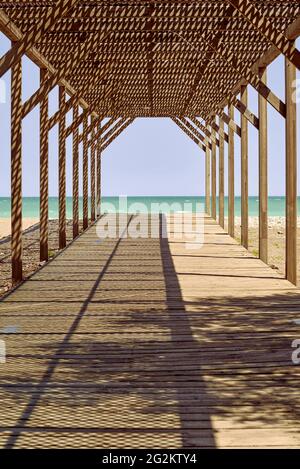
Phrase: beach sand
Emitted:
{"points": [[31, 244], [31, 249], [5, 225]]}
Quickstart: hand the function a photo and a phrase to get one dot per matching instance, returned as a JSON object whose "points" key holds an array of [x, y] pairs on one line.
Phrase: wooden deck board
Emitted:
{"points": [[144, 343]]}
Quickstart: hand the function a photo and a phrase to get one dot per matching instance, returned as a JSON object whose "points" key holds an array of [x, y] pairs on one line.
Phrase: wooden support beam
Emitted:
{"points": [[44, 177], [188, 132], [240, 106], [116, 134], [35, 34], [213, 177], [231, 175], [254, 80], [244, 170], [205, 130], [207, 181], [291, 173], [219, 130], [221, 175], [101, 131], [114, 128], [231, 123], [196, 132], [16, 172], [263, 172], [75, 181], [98, 185], [266, 28], [92, 180], [62, 173], [85, 166]]}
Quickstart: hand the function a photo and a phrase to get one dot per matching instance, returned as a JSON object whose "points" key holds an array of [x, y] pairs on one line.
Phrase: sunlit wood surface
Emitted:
{"points": [[129, 343]]}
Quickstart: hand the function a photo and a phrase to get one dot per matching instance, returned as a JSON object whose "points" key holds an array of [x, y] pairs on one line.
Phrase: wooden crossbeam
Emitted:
{"points": [[231, 123], [265, 27], [207, 132], [115, 127], [240, 106], [198, 135], [116, 134], [34, 35], [188, 133]]}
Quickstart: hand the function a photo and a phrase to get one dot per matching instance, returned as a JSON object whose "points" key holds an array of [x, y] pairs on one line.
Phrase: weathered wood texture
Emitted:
{"points": [[148, 45], [124, 343], [16, 171], [62, 172], [263, 172], [244, 171], [221, 174], [291, 173], [231, 205], [44, 174]]}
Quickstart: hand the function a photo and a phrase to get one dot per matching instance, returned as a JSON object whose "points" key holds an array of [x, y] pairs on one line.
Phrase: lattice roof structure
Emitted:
{"points": [[154, 58], [186, 60]]}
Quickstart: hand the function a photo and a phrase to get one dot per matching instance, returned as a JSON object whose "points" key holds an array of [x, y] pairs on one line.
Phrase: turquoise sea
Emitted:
{"points": [[31, 205]]}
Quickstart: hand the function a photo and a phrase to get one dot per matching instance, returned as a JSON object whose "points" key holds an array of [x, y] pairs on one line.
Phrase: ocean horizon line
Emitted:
{"points": [[276, 204]]}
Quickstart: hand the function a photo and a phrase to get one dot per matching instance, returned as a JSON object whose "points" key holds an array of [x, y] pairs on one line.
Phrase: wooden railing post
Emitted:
{"points": [[244, 170], [44, 177], [93, 167], [75, 155], [16, 172], [85, 175], [62, 172], [213, 175], [221, 173], [207, 179], [98, 190], [263, 172], [231, 174], [291, 173]]}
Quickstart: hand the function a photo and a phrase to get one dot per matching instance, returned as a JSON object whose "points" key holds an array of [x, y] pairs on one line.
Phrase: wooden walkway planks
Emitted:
{"points": [[144, 343]]}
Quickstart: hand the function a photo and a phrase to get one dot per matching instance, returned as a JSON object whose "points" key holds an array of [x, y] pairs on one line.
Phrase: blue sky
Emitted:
{"points": [[151, 157]]}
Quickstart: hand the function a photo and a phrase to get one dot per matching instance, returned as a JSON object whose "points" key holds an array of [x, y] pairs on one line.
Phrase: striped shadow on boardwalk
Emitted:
{"points": [[141, 343]]}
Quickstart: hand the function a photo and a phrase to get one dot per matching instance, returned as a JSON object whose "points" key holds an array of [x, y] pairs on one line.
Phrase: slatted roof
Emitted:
{"points": [[152, 58]]}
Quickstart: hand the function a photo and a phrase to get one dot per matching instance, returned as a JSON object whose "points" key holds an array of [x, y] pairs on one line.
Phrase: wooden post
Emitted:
{"points": [[16, 172], [291, 173], [75, 175], [213, 175], [263, 172], [98, 190], [85, 175], [231, 175], [244, 170], [207, 179], [93, 167], [221, 174], [44, 181], [62, 172]]}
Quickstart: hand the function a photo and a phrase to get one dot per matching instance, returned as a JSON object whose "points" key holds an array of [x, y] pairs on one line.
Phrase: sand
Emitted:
{"points": [[5, 223]]}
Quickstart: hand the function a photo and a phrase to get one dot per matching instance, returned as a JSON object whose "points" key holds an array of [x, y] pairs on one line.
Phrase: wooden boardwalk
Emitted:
{"points": [[142, 343]]}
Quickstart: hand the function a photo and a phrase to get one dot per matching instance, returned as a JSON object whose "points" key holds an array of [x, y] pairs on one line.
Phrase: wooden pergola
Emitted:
{"points": [[187, 60]]}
